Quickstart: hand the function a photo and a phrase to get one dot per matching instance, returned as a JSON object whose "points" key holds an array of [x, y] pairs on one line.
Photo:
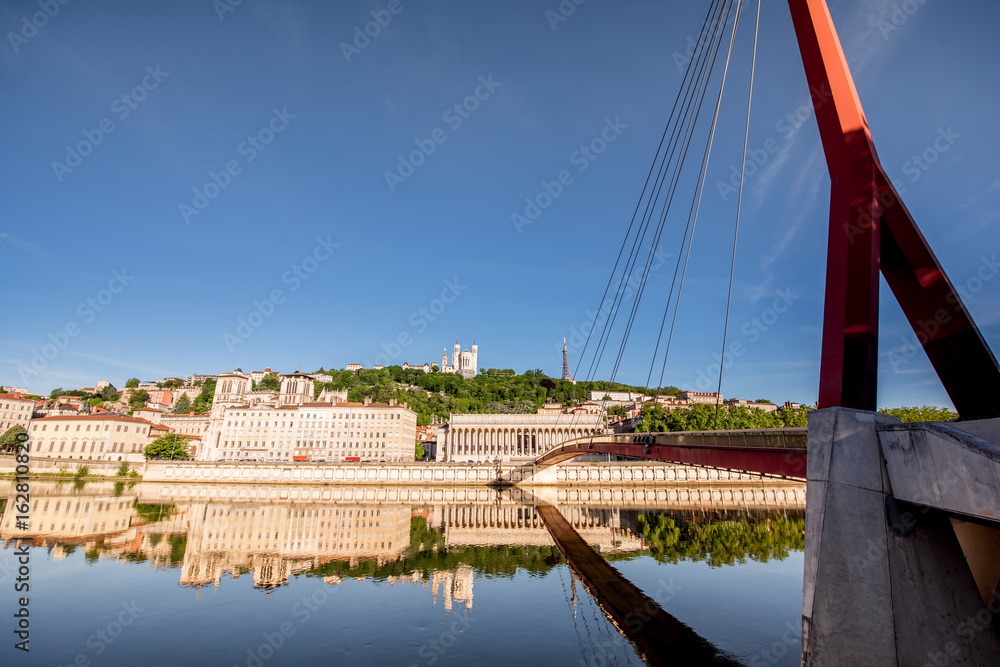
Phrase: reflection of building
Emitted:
{"points": [[517, 437], [275, 540], [70, 516], [455, 585], [499, 525]]}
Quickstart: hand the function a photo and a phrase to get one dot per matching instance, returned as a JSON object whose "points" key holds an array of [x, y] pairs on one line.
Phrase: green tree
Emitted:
{"points": [[618, 411], [172, 446], [183, 405], [924, 413], [9, 441], [269, 382], [110, 394], [203, 402], [56, 393], [131, 382], [138, 399], [419, 452]]}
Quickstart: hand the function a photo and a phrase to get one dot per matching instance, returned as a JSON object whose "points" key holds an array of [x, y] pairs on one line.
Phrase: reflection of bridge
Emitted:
{"points": [[773, 452], [903, 530]]}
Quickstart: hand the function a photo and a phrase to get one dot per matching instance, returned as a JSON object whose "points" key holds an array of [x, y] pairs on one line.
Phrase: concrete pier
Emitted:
{"points": [[887, 581]]}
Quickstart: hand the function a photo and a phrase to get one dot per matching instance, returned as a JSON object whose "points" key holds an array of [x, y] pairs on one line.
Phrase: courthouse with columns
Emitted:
{"points": [[516, 438]]}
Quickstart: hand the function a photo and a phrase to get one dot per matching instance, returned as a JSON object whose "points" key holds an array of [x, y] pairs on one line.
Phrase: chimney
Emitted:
{"points": [[368, 400]]}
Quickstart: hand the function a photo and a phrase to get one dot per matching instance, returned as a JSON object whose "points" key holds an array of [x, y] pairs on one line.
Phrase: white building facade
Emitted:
{"points": [[291, 425], [517, 438], [103, 437], [462, 363], [15, 411]]}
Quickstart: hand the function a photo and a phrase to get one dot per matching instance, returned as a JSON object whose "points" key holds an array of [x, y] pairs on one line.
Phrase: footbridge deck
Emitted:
{"points": [[774, 452]]}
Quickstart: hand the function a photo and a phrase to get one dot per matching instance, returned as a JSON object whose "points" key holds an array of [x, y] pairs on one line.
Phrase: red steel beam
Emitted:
{"points": [[773, 462], [871, 230]]}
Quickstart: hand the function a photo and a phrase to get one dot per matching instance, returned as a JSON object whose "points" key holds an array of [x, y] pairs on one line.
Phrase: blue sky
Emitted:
{"points": [[248, 160]]}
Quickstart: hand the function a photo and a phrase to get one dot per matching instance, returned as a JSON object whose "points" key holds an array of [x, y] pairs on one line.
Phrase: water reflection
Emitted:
{"points": [[445, 540]]}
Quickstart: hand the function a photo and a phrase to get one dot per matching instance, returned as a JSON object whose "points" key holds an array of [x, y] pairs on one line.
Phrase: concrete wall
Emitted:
{"points": [[8, 465], [432, 474]]}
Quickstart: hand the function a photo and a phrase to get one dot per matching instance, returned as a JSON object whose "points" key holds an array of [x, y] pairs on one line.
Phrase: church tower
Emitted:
{"points": [[475, 357]]}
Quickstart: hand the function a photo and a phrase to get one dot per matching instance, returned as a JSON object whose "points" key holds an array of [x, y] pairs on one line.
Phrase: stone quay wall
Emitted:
{"points": [[425, 474]]}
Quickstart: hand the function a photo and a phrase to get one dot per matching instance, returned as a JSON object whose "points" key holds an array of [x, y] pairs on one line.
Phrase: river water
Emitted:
{"points": [[143, 574]]}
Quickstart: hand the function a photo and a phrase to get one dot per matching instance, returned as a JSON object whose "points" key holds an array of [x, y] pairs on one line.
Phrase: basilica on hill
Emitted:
{"points": [[462, 363]]}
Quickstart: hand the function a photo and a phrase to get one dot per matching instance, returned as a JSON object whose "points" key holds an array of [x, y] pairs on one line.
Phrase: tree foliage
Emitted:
{"points": [[436, 395], [131, 383], [419, 452], [427, 552], [720, 539], [138, 398], [183, 405], [924, 413], [270, 382], [171, 446], [203, 402], [702, 417], [9, 441]]}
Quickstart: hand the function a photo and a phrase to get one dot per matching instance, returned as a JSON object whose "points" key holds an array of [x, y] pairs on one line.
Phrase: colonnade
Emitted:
{"points": [[474, 443]]}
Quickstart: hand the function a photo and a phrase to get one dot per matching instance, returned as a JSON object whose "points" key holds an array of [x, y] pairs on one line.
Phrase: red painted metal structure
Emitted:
{"points": [[871, 229], [771, 452]]}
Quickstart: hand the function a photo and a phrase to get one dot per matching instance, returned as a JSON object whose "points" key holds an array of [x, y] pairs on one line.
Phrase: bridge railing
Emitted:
{"points": [[766, 438]]}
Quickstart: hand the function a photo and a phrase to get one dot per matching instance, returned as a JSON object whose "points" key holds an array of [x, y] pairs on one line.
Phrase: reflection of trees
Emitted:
{"points": [[721, 540], [427, 552], [151, 513]]}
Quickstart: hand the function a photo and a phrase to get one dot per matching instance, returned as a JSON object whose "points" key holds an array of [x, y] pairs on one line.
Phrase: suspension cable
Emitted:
{"points": [[674, 182], [693, 104], [691, 83], [736, 232], [701, 188]]}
